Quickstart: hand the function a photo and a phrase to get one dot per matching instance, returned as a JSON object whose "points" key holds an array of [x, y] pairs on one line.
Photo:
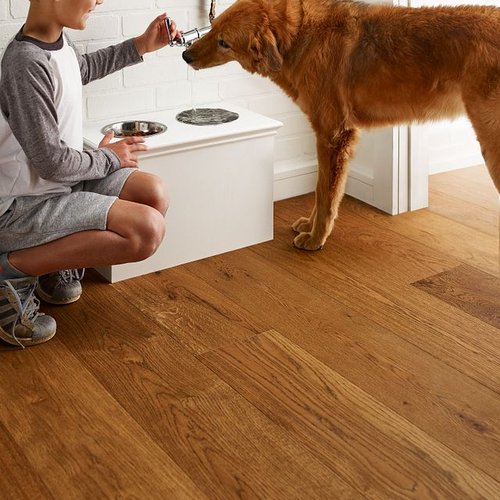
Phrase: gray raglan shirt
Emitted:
{"points": [[41, 139]]}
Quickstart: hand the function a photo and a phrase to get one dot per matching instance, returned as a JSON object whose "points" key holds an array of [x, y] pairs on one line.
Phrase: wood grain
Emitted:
{"points": [[477, 217], [13, 485], [74, 434], [178, 384], [225, 445], [365, 442], [470, 290], [443, 234], [351, 269], [194, 312], [472, 185], [442, 400]]}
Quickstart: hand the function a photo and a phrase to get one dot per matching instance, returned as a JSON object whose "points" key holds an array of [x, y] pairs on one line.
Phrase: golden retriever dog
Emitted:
{"points": [[350, 65]]}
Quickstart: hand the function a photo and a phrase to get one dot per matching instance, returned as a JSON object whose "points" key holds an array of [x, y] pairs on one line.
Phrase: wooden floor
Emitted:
{"points": [[370, 369]]}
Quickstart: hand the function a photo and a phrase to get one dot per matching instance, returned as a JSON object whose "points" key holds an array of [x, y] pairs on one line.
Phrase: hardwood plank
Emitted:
{"points": [[399, 370], [18, 480], [370, 269], [369, 259], [356, 236], [467, 196], [384, 255], [473, 291], [193, 312], [226, 446], [76, 436], [475, 217], [473, 185], [121, 400], [434, 231], [364, 441]]}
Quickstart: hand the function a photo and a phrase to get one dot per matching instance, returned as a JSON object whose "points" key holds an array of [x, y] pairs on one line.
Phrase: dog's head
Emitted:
{"points": [[241, 33]]}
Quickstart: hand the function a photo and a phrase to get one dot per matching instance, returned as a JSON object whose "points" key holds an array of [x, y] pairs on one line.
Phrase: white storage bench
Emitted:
{"points": [[220, 182]]}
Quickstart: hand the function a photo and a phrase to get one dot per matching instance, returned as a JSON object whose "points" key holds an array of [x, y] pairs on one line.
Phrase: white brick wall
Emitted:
{"points": [[18, 8], [3, 10], [164, 81]]}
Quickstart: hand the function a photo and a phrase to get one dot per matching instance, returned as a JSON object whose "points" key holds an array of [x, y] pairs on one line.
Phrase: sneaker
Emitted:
{"points": [[62, 287], [20, 322]]}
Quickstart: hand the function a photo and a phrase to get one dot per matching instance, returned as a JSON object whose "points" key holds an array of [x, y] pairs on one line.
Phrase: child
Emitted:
{"points": [[62, 207]]}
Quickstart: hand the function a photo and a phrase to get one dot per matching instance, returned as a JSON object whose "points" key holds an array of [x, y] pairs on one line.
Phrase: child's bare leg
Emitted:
{"points": [[147, 189], [134, 232]]}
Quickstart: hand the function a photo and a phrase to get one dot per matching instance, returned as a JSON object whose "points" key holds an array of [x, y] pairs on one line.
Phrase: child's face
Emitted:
{"points": [[74, 13]]}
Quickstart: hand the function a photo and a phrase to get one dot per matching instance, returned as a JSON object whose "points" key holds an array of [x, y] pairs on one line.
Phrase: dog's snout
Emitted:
{"points": [[187, 57]]}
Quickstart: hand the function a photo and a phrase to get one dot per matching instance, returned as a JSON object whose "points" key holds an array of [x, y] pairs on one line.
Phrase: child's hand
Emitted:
{"points": [[155, 37], [124, 149]]}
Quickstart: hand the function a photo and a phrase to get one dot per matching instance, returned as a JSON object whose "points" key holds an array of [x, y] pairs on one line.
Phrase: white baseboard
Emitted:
{"points": [[299, 176], [295, 177], [360, 184], [456, 162]]}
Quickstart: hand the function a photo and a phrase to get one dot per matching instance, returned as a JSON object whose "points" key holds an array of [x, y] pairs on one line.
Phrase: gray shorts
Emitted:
{"points": [[35, 220]]}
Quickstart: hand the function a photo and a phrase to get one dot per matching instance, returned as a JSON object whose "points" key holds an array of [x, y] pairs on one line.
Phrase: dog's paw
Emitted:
{"points": [[305, 241], [302, 225]]}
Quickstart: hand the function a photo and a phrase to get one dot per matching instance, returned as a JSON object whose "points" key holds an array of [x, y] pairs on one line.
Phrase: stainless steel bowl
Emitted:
{"points": [[135, 128]]}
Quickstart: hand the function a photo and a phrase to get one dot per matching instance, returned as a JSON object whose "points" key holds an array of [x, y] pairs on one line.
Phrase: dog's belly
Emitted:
{"points": [[407, 105]]}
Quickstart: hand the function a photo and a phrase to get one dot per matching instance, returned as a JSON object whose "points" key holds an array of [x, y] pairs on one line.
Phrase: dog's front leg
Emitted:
{"points": [[333, 165], [304, 224]]}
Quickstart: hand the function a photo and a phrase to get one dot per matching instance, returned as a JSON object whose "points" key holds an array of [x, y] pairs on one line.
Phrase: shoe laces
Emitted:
{"points": [[68, 276], [27, 305]]}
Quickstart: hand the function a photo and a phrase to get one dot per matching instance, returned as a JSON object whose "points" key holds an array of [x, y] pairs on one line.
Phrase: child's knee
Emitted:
{"points": [[148, 234], [159, 194], [164, 199]]}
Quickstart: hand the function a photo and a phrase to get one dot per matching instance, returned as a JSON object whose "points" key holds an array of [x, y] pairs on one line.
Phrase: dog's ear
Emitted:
{"points": [[267, 57]]}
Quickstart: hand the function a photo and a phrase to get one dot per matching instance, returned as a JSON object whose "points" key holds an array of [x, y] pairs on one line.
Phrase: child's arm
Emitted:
{"points": [[105, 61], [27, 96]]}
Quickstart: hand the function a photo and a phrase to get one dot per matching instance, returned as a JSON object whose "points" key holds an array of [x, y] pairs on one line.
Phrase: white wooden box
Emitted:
{"points": [[220, 182]]}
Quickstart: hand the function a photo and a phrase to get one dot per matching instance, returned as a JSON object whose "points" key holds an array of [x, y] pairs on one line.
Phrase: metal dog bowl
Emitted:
{"points": [[135, 128], [206, 116]]}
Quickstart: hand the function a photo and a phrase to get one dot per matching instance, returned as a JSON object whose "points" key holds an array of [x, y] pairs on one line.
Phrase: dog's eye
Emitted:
{"points": [[223, 44]]}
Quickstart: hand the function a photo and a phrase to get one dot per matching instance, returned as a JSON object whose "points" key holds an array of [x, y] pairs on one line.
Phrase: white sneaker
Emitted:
{"points": [[20, 322], [62, 287]]}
